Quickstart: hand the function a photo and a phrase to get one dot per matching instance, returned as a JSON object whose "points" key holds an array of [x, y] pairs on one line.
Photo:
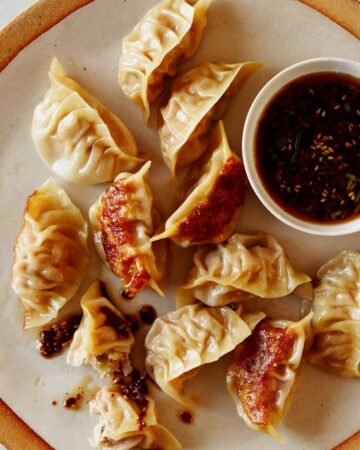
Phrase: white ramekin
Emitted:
{"points": [[336, 65]]}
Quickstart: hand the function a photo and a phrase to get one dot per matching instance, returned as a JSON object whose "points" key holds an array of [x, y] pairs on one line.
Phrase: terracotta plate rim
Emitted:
{"points": [[42, 16]]}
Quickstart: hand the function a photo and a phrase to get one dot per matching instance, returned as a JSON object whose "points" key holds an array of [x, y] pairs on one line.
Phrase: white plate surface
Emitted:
{"points": [[88, 43]]}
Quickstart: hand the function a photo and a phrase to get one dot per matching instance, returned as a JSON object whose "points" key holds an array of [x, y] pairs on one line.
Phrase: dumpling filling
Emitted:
{"points": [[128, 418], [104, 339]]}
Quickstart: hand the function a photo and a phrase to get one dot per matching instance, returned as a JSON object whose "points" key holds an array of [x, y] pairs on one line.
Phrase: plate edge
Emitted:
{"points": [[16, 435], [345, 13], [31, 23]]}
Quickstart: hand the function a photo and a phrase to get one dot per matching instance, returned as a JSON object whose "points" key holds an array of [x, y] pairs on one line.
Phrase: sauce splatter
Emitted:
{"points": [[83, 392], [73, 402], [185, 416], [54, 338], [147, 314]]}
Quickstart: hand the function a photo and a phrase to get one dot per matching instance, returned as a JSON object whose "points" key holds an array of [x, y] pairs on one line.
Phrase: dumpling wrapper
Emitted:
{"points": [[336, 321], [182, 341], [122, 223], [211, 209], [51, 254], [265, 368], [123, 426], [168, 34], [198, 99], [103, 338], [241, 268], [77, 137]]}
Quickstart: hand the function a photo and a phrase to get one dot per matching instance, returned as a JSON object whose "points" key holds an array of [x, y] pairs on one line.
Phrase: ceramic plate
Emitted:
{"points": [[88, 43]]}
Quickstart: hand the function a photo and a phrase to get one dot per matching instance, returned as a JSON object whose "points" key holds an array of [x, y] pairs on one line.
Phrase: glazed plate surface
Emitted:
{"points": [[88, 44]]}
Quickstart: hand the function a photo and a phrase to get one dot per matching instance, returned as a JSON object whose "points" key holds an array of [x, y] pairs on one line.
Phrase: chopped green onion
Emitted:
{"points": [[352, 177], [336, 214], [296, 149]]}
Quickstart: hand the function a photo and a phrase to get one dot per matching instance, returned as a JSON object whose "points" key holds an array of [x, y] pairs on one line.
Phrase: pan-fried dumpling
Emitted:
{"points": [[336, 321], [263, 374], [128, 419], [103, 338], [77, 137], [239, 269], [169, 34], [180, 342], [198, 100], [122, 222], [50, 254], [210, 211]]}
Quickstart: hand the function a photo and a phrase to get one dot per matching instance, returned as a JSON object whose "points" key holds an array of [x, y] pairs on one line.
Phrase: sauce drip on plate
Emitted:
{"points": [[147, 314], [185, 416], [55, 337]]}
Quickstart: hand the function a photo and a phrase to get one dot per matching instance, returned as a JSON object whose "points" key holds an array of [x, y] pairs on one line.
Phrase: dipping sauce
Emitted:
{"points": [[308, 147]]}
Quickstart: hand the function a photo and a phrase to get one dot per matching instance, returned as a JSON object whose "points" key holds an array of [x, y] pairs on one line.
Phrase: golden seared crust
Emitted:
{"points": [[345, 13], [208, 220], [119, 237], [255, 359]]}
